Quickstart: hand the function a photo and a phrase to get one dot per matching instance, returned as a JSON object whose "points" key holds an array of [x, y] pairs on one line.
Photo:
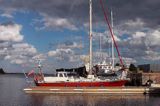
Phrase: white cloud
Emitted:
{"points": [[20, 53], [18, 61], [143, 44], [12, 47], [129, 27], [139, 34], [151, 55], [97, 35], [8, 15], [129, 60], [60, 52], [4, 45], [148, 38], [136, 41], [25, 48], [10, 32], [105, 37], [75, 58], [153, 38], [71, 45], [7, 12], [56, 23], [66, 55], [137, 38], [39, 57], [102, 55], [52, 53], [135, 23]]}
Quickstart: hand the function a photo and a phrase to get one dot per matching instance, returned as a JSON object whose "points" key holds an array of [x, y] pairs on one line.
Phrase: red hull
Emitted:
{"points": [[84, 84]]}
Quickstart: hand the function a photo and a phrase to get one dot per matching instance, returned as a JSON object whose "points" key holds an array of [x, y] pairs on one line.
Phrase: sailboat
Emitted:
{"points": [[107, 68], [63, 80]]}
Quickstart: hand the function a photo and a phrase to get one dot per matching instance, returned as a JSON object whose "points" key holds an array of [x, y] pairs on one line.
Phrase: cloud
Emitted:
{"points": [[137, 23], [61, 54], [142, 45], [139, 35], [71, 45], [8, 15], [75, 12], [65, 58], [57, 23], [10, 32], [137, 38], [105, 37], [147, 38], [151, 55], [153, 38], [39, 56], [23, 48], [129, 60], [137, 30], [20, 53], [12, 47], [130, 26], [134, 40]]}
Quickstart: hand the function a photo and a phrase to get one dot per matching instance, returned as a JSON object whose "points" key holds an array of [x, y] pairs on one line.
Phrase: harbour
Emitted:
{"points": [[79, 53], [12, 93]]}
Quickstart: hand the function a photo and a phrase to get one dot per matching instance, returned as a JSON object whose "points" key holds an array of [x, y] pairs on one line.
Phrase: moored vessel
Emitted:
{"points": [[63, 80]]}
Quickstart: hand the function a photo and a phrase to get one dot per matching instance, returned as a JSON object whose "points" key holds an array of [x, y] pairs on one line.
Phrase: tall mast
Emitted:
{"points": [[90, 36], [112, 35], [100, 48], [112, 41]]}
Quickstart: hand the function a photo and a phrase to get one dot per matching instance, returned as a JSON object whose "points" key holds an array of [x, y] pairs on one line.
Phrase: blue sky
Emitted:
{"points": [[57, 32]]}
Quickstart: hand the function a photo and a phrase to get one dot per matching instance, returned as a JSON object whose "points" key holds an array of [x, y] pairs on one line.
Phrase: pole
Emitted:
{"points": [[90, 36], [112, 41], [100, 48], [110, 29]]}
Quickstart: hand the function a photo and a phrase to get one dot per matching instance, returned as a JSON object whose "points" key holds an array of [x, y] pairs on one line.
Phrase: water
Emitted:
{"points": [[12, 94]]}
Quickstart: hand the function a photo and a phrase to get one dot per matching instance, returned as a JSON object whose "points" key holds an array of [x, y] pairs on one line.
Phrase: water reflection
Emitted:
{"points": [[12, 94], [88, 100]]}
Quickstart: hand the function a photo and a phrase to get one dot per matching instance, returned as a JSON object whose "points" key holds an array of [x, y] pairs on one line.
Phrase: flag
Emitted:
{"points": [[30, 72]]}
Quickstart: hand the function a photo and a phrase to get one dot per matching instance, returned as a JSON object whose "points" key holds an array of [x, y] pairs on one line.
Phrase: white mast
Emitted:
{"points": [[112, 41], [100, 48], [90, 35]]}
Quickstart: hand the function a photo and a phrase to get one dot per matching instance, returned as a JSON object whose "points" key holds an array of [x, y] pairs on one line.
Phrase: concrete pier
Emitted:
{"points": [[91, 90]]}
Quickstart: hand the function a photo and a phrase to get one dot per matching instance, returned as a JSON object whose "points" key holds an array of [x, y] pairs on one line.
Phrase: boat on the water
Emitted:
{"points": [[63, 80]]}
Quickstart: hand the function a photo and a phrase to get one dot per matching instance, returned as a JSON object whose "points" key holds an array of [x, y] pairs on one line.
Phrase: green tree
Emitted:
{"points": [[132, 68], [117, 64], [2, 71]]}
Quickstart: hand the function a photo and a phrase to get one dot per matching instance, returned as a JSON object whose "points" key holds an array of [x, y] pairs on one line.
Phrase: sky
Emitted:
{"points": [[56, 32]]}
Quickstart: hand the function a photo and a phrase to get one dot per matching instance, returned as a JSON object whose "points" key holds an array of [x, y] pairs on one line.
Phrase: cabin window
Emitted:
{"points": [[65, 75], [60, 75]]}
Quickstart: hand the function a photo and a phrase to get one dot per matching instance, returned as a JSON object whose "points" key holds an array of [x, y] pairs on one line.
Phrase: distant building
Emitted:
{"points": [[146, 68], [138, 79], [146, 73]]}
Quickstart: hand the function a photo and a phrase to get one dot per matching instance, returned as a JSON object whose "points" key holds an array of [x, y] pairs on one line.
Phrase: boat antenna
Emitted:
{"points": [[90, 37], [40, 68]]}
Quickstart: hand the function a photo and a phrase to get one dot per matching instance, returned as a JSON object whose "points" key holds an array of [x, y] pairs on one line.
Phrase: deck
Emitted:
{"points": [[93, 90]]}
